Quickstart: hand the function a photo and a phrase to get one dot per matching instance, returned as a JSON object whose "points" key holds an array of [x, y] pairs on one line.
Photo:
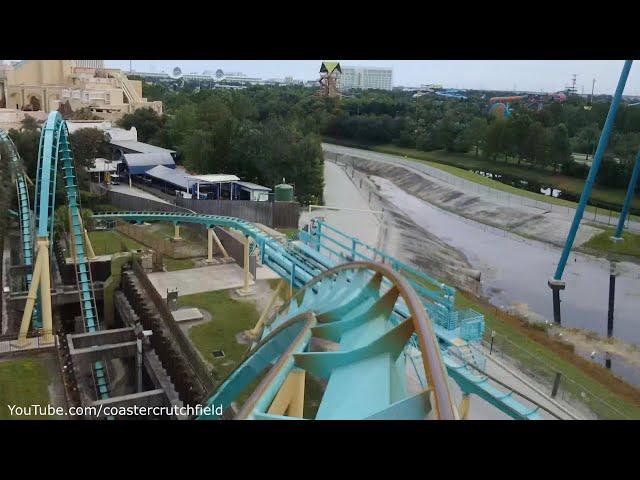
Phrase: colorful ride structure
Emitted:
{"points": [[363, 310], [451, 93], [24, 212], [54, 157], [500, 106], [329, 74], [381, 339]]}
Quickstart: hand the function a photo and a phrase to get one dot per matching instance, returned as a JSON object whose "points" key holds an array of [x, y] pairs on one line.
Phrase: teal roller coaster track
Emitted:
{"points": [[371, 313]]}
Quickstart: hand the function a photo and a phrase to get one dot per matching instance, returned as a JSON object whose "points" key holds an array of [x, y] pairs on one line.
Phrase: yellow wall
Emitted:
{"points": [[39, 72]]}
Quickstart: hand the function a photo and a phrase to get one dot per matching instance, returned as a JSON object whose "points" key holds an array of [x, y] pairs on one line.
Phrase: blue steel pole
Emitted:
{"points": [[627, 199], [595, 165], [556, 284]]}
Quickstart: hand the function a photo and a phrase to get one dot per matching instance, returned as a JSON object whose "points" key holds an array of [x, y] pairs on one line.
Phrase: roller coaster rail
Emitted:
{"points": [[295, 264], [55, 150]]}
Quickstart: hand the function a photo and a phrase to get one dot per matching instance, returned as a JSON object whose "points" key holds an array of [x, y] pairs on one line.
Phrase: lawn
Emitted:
{"points": [[173, 264], [460, 164], [540, 353], [602, 242], [229, 317], [107, 242], [165, 231], [535, 349], [24, 382]]}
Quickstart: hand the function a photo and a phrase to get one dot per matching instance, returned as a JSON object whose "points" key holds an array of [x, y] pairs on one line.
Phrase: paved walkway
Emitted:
{"points": [[33, 343], [205, 279], [491, 193]]}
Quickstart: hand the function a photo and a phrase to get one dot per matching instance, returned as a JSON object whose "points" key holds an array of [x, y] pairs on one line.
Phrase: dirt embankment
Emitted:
{"points": [[402, 238], [526, 221]]}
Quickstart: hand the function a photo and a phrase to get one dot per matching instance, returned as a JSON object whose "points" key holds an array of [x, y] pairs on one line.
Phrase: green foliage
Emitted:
{"points": [[258, 134], [27, 142], [87, 144], [630, 244], [148, 124], [229, 317], [24, 382]]}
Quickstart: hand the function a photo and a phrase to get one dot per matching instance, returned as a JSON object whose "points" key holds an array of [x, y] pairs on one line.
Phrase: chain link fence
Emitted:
{"points": [[556, 383], [595, 214]]}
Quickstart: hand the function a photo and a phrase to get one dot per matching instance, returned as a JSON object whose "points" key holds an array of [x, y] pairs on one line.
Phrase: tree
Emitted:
{"points": [[147, 122], [27, 142], [87, 144], [559, 147], [495, 139], [536, 144], [477, 133]]}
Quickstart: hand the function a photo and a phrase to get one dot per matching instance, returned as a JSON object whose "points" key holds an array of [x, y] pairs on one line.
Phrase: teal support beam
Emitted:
{"points": [[593, 171], [627, 199]]}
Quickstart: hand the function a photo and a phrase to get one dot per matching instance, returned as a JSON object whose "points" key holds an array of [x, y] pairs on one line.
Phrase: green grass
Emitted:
{"points": [[538, 357], [173, 264], [602, 242], [165, 231], [459, 165], [23, 382], [107, 242], [291, 233], [229, 317]]}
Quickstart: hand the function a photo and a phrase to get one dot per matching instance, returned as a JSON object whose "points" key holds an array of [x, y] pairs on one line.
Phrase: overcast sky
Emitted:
{"points": [[531, 75]]}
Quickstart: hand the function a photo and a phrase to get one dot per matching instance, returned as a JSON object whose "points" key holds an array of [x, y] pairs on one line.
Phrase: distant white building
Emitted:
{"points": [[365, 78]]}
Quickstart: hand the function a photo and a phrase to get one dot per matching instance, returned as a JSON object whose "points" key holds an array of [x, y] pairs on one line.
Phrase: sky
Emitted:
{"points": [[528, 75]]}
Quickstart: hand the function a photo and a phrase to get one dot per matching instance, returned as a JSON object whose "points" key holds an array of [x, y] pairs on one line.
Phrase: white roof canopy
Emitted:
{"points": [[215, 178]]}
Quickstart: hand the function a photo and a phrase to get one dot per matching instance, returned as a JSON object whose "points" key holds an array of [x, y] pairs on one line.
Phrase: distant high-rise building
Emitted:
{"points": [[365, 78]]}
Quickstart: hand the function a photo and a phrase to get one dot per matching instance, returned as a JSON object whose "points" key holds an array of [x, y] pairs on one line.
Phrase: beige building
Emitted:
{"points": [[40, 86]]}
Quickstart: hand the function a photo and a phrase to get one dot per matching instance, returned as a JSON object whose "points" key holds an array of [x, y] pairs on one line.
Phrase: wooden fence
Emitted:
{"points": [[271, 214]]}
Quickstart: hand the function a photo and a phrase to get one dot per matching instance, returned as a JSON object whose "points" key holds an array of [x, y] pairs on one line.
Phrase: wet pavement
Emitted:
{"points": [[516, 270], [341, 191]]}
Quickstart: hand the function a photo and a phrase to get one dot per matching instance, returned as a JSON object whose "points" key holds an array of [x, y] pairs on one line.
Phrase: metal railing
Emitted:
{"points": [[598, 215], [558, 384]]}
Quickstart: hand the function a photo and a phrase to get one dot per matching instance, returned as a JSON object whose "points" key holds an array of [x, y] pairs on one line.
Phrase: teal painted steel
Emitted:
{"points": [[292, 263], [593, 171], [24, 213], [629, 196], [438, 298], [55, 150]]}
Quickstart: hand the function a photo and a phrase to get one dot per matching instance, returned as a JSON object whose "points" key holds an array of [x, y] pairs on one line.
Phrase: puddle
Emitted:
{"points": [[515, 270]]}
